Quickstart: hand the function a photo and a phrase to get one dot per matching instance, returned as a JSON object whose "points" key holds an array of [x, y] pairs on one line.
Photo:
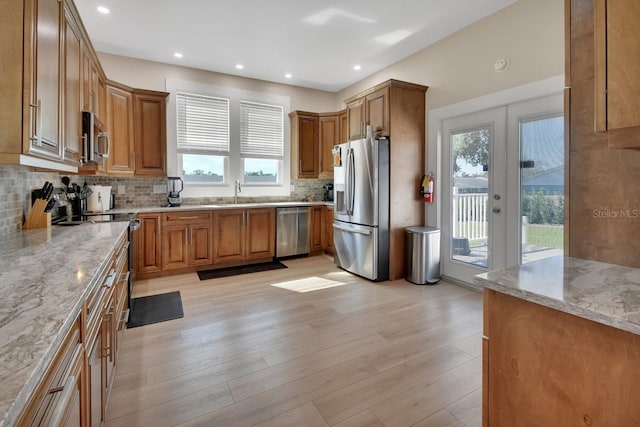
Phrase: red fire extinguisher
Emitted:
{"points": [[426, 188]]}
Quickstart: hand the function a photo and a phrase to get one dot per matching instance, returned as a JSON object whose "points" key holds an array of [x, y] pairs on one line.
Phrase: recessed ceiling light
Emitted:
{"points": [[177, 55], [103, 10], [288, 75], [239, 66], [357, 67]]}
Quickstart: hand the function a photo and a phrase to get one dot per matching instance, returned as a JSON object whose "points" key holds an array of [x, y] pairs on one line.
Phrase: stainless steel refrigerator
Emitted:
{"points": [[361, 207]]}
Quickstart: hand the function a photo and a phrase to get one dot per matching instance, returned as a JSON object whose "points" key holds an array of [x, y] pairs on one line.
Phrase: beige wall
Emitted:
{"points": [[152, 75], [530, 33]]}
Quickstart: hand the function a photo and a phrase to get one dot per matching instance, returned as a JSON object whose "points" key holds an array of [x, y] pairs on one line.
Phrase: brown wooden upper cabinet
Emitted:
{"points": [[344, 127], [617, 36], [304, 144], [150, 134], [120, 129], [44, 78], [136, 122], [72, 52], [372, 110], [329, 136]]}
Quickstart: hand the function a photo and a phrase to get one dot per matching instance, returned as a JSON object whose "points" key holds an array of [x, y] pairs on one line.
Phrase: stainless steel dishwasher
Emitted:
{"points": [[292, 236]]}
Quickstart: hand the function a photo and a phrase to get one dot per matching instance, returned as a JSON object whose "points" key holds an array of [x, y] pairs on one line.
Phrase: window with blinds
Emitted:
{"points": [[203, 124], [261, 131]]}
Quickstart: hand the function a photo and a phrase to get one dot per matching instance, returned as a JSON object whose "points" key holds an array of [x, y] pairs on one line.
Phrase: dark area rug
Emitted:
{"points": [[243, 269], [155, 309]]}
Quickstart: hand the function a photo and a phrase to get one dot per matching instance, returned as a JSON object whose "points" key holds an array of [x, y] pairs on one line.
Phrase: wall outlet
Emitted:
{"points": [[121, 189], [159, 189], [293, 188]]}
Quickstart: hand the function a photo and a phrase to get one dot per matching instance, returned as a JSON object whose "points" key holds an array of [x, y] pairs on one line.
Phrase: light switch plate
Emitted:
{"points": [[293, 188], [121, 189]]}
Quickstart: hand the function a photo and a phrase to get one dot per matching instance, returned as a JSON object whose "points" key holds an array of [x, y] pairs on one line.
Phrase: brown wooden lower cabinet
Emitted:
{"points": [[148, 244], [243, 234], [328, 229], [175, 246], [316, 228], [543, 367], [260, 233]]}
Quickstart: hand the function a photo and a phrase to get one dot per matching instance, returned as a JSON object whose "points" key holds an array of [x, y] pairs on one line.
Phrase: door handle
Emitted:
{"points": [[351, 230]]}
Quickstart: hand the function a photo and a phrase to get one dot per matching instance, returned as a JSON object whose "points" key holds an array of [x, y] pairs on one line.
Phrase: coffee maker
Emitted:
{"points": [[327, 192], [174, 187]]}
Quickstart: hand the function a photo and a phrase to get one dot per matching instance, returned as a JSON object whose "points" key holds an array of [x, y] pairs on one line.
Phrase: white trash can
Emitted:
{"points": [[422, 255]]}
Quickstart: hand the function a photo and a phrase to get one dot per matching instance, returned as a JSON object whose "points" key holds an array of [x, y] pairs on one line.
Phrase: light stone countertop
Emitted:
{"points": [[605, 293], [184, 207], [44, 277]]}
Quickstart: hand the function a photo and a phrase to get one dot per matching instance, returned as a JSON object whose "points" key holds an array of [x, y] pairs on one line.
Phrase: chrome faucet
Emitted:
{"points": [[238, 189]]}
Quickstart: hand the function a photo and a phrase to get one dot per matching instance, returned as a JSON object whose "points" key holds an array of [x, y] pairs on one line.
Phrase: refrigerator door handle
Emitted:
{"points": [[352, 181], [351, 230], [347, 187]]}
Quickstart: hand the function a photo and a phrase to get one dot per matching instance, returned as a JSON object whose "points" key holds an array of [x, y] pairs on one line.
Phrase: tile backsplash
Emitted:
{"points": [[16, 183]]}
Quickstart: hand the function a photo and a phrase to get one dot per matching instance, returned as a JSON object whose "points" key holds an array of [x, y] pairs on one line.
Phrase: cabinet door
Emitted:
{"points": [[377, 110], [343, 136], [95, 381], [308, 147], [148, 244], [120, 125], [228, 235], [316, 227], [261, 231], [355, 118], [150, 134], [101, 103], [200, 244], [44, 77], [329, 131], [328, 229], [87, 97], [618, 71], [72, 76], [175, 246]]}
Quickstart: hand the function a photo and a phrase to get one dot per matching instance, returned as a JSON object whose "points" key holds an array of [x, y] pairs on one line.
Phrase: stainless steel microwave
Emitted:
{"points": [[95, 140]]}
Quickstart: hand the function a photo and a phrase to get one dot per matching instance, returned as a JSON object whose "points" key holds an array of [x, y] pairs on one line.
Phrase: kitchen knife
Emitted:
{"points": [[49, 191], [43, 191], [50, 205]]}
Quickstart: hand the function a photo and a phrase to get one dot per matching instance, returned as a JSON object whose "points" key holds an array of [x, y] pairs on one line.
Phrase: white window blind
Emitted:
{"points": [[261, 130], [203, 124]]}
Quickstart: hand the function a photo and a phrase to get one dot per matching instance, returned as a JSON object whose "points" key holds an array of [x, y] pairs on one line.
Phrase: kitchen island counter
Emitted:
{"points": [[45, 274], [604, 293], [561, 344]]}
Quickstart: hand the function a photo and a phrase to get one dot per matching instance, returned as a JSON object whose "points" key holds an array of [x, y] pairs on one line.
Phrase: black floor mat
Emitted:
{"points": [[155, 308], [243, 269]]}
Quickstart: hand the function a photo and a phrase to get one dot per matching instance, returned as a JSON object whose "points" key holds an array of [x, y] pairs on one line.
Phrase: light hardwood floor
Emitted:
{"points": [[250, 354]]}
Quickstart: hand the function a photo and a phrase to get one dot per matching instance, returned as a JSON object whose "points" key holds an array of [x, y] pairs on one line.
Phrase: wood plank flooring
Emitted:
{"points": [[250, 354]]}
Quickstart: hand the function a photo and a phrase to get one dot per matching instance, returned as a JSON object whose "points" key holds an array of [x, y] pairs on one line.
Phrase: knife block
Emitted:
{"points": [[38, 218]]}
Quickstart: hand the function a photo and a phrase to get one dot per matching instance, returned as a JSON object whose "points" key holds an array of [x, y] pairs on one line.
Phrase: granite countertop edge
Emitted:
{"points": [[15, 409], [148, 209], [616, 321]]}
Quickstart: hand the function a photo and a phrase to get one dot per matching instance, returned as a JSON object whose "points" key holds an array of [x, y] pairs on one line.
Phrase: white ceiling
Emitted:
{"points": [[318, 42]]}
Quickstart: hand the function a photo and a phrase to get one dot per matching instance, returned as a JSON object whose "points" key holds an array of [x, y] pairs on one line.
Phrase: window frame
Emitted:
{"points": [[234, 163]]}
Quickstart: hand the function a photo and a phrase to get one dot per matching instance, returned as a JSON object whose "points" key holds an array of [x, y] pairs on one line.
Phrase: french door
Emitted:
{"points": [[503, 187]]}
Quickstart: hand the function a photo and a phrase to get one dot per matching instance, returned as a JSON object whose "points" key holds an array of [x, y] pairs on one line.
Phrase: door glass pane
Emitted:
{"points": [[469, 198], [542, 188]]}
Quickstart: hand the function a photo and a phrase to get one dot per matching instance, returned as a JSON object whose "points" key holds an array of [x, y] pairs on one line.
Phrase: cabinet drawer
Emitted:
{"points": [[42, 407], [186, 217], [95, 305]]}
